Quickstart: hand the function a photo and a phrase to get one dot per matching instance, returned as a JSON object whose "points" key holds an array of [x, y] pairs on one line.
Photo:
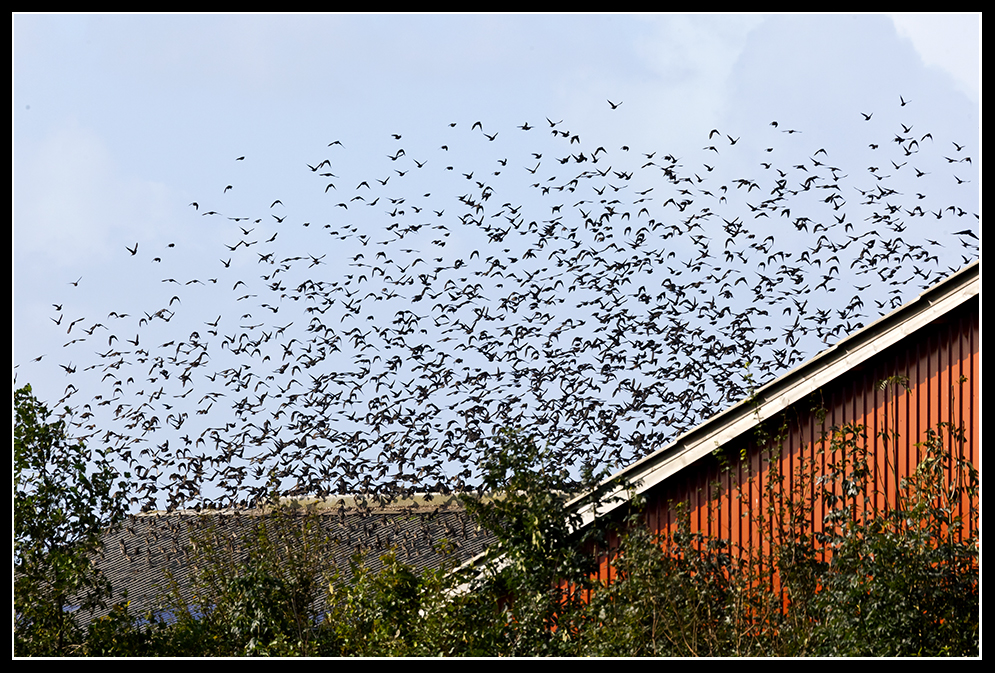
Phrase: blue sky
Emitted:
{"points": [[120, 122]]}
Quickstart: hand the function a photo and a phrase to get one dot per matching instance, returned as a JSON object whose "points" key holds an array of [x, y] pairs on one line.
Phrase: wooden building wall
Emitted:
{"points": [[935, 374]]}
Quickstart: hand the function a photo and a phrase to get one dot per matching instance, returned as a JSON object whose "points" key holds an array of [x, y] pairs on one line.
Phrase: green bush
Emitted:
{"points": [[901, 582]]}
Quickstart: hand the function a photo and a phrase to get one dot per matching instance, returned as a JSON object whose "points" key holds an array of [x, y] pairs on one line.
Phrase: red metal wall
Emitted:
{"points": [[724, 495]]}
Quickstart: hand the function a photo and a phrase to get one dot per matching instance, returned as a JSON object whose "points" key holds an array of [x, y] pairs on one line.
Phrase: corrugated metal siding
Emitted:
{"points": [[728, 498]]}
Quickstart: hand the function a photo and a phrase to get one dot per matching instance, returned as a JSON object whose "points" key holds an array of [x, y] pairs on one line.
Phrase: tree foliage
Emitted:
{"points": [[65, 494], [899, 582]]}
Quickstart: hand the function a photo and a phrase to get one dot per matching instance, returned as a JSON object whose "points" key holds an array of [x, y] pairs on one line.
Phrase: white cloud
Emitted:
{"points": [[951, 42]]}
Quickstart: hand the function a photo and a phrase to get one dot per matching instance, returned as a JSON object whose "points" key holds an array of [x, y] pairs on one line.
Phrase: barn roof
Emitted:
{"points": [[849, 353]]}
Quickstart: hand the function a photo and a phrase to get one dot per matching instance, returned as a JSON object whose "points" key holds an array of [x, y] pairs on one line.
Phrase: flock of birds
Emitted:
{"points": [[603, 299]]}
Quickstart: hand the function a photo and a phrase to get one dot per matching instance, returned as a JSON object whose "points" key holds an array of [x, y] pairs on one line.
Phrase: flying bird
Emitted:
{"points": [[574, 279]]}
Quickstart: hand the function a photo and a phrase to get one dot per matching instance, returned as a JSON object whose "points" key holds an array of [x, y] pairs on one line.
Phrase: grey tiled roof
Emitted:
{"points": [[140, 556]]}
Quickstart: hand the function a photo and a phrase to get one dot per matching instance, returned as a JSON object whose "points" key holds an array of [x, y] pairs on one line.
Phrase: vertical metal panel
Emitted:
{"points": [[939, 369]]}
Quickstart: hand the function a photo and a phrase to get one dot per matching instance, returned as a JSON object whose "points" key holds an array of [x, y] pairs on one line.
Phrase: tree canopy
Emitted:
{"points": [[898, 583]]}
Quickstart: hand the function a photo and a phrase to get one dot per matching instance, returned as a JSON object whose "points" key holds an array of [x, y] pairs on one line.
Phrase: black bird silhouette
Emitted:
{"points": [[562, 308]]}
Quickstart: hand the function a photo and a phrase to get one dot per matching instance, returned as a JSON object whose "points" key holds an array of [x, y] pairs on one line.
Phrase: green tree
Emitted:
{"points": [[394, 612], [523, 599], [545, 563], [898, 582], [253, 595], [65, 495]]}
